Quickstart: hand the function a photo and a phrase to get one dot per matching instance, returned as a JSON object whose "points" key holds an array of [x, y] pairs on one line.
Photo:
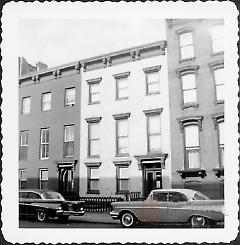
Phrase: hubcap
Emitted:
{"points": [[41, 215], [198, 221], [127, 219]]}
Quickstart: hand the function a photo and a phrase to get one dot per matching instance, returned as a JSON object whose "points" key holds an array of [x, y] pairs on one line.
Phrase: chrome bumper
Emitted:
{"points": [[67, 213], [114, 215]]}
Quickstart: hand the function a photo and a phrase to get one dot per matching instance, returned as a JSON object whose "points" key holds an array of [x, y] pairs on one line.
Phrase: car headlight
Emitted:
{"points": [[60, 208]]}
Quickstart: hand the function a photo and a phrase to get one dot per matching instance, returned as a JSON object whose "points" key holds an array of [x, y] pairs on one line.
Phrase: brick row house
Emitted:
{"points": [[129, 121]]}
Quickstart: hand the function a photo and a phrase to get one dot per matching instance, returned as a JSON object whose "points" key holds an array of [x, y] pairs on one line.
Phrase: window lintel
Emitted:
{"points": [[93, 119], [184, 30], [217, 118], [94, 80], [124, 163], [187, 70], [121, 75], [152, 111], [93, 164], [122, 116], [152, 69], [216, 65], [196, 120]]}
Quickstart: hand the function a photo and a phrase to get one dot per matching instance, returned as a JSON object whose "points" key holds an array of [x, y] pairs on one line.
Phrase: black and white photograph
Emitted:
{"points": [[120, 120]]}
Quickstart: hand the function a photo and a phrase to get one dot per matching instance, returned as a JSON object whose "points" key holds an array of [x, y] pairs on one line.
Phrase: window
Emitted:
{"points": [[69, 141], [191, 134], [94, 90], [22, 178], [26, 103], [221, 142], [69, 97], [160, 196], [122, 179], [177, 197], [46, 101], [44, 147], [32, 195], [23, 151], [122, 133], [186, 45], [152, 80], [189, 88], [122, 88], [43, 178], [93, 136], [219, 83], [153, 130], [217, 38], [93, 180]]}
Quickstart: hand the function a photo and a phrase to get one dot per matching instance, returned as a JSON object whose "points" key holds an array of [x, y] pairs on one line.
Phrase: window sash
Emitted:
{"points": [[220, 92], [217, 38], [154, 133], [122, 179], [94, 92], [186, 45], [153, 83], [93, 179], [70, 96], [122, 136], [46, 101], [24, 138], [69, 133], [189, 96], [191, 136], [69, 149], [94, 147], [23, 175], [192, 157], [45, 136], [43, 174], [26, 105]]}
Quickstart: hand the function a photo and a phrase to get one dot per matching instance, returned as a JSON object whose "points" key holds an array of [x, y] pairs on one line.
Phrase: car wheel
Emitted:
{"points": [[41, 215], [198, 221], [63, 218], [128, 220]]}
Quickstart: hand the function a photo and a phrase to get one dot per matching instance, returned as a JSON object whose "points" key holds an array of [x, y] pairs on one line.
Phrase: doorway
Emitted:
{"points": [[153, 180]]}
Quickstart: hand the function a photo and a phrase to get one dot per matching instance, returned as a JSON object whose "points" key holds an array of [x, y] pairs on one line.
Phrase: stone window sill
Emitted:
{"points": [[192, 172]]}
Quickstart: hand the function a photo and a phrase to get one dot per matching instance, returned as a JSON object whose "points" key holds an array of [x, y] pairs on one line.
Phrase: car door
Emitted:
{"points": [[155, 208], [177, 207], [22, 205], [31, 202]]}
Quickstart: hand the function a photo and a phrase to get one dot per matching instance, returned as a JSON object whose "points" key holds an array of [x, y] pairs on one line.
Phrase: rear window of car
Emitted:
{"points": [[177, 197], [52, 195], [159, 196], [200, 196], [23, 194], [32, 195]]}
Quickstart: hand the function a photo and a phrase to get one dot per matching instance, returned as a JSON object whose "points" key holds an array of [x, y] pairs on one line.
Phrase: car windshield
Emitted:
{"points": [[200, 196], [52, 195]]}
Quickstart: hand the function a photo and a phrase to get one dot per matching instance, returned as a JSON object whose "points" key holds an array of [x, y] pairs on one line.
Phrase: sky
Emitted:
{"points": [[60, 41]]}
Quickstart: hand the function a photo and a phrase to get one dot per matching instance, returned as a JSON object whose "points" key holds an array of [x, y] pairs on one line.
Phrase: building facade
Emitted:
{"points": [[49, 111], [196, 97], [125, 140]]}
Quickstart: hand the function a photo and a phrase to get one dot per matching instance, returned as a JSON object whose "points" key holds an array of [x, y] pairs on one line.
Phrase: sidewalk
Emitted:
{"points": [[98, 217]]}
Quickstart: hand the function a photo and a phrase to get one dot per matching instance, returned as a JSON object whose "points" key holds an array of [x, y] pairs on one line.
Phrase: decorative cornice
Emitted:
{"points": [[190, 120], [94, 80], [217, 118], [36, 78], [216, 64], [121, 75], [78, 67], [152, 69], [184, 30], [121, 116], [57, 73], [93, 119], [135, 54], [93, 164], [122, 162], [152, 111], [187, 70]]}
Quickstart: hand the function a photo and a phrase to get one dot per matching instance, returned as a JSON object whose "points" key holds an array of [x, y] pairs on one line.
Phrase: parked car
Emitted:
{"points": [[170, 206], [43, 204]]}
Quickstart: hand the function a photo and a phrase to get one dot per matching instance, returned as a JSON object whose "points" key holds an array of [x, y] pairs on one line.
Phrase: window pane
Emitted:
{"points": [[122, 83], [94, 130], [26, 105], [94, 147], [154, 142], [23, 175], [122, 145], [123, 173], [24, 138], [191, 136], [123, 185], [153, 87], [94, 173], [93, 184], [152, 77], [122, 126], [69, 149], [95, 97], [221, 133], [122, 93], [46, 101], [217, 32], [220, 92], [94, 88], [189, 96], [193, 158], [70, 96], [188, 81], [44, 174], [154, 124], [45, 136], [186, 39], [187, 52], [69, 133], [219, 76]]}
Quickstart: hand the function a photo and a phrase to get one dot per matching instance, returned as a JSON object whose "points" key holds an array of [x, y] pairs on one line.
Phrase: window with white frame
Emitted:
{"points": [[44, 143], [153, 130], [43, 178], [69, 141], [219, 83], [121, 88], [93, 180], [94, 90], [93, 136], [217, 38], [46, 101], [152, 79], [221, 142], [23, 151], [26, 104], [189, 88], [69, 97], [186, 45], [192, 146], [122, 179], [22, 178]]}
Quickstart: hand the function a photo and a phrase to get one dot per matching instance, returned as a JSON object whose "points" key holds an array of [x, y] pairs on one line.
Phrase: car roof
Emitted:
{"points": [[187, 192], [39, 191]]}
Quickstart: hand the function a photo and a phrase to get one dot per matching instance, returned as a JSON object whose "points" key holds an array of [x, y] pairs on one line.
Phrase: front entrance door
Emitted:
{"points": [[153, 180], [66, 180]]}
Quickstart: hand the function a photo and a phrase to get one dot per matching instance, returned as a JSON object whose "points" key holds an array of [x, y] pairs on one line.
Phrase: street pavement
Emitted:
{"points": [[92, 220]]}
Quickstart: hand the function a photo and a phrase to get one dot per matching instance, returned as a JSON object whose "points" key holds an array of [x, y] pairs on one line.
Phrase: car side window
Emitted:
{"points": [[161, 197], [32, 195], [177, 197], [23, 194]]}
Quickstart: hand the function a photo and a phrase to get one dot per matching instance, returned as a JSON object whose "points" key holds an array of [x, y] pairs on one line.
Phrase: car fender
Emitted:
{"points": [[129, 211]]}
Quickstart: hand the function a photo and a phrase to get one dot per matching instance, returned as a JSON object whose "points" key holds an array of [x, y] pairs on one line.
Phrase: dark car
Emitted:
{"points": [[44, 204]]}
